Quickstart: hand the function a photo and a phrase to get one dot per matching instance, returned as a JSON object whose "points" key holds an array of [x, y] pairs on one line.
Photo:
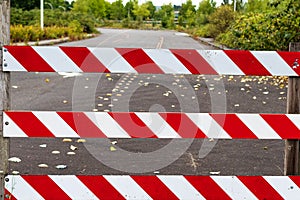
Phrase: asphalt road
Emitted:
{"points": [[130, 92]]}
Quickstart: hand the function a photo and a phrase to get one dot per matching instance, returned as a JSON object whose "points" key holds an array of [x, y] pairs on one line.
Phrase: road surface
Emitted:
{"points": [[130, 92]]}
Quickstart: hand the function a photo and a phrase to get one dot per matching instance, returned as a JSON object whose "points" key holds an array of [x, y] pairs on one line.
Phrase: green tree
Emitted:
{"points": [[117, 10], [206, 8], [221, 19], [187, 14], [257, 6], [151, 9], [166, 15], [96, 8], [141, 11], [129, 10], [25, 5]]}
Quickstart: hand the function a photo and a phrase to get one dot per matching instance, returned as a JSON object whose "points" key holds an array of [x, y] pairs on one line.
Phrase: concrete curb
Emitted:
{"points": [[211, 42]]}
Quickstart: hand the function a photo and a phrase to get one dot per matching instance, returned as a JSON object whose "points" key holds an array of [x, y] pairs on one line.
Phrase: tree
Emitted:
{"points": [[25, 5], [96, 8], [117, 10], [151, 9], [187, 14], [129, 9], [256, 6], [206, 8], [141, 11], [166, 15], [221, 19]]}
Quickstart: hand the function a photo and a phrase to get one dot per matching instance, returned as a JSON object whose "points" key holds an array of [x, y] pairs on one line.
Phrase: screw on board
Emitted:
{"points": [[296, 64]]}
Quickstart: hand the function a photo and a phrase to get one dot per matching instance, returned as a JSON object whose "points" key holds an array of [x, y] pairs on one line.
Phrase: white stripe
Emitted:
{"points": [[107, 125], [127, 187], [295, 118], [208, 125], [73, 187], [167, 61], [258, 126], [181, 187], [20, 189], [112, 60], [233, 187], [12, 63], [158, 125], [12, 129], [221, 62], [55, 124], [272, 61], [284, 186], [57, 59]]}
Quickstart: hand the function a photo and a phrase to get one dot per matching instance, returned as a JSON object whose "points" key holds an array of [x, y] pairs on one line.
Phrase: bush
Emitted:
{"points": [[52, 18], [264, 31]]}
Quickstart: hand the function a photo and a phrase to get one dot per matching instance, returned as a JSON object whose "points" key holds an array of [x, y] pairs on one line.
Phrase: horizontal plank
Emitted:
{"points": [[150, 125], [151, 187], [150, 61]]}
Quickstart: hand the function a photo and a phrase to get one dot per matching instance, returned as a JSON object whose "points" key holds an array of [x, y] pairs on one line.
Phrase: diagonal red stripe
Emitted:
{"points": [[290, 58], [30, 124], [100, 187], [140, 61], [133, 125], [260, 187], [282, 125], [296, 180], [206, 186], [29, 59], [9, 196], [193, 61], [183, 125], [154, 187], [233, 126], [84, 59], [46, 187], [81, 124], [247, 63]]}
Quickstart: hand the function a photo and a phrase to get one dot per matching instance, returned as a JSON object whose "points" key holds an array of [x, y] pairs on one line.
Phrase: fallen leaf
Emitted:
{"points": [[73, 148], [81, 141], [215, 173], [55, 152], [15, 172], [111, 148], [43, 145], [14, 159], [43, 165], [71, 153], [61, 166], [67, 140]]}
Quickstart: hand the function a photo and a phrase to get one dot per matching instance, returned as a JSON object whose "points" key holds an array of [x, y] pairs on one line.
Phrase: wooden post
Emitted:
{"points": [[4, 91], [291, 158]]}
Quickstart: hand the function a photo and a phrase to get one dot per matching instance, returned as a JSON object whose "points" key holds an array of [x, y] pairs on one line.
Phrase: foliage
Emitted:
{"points": [[270, 31], [95, 8], [257, 6], [166, 15], [141, 11], [20, 33], [187, 14], [206, 8], [32, 4], [117, 10], [52, 18], [220, 20]]}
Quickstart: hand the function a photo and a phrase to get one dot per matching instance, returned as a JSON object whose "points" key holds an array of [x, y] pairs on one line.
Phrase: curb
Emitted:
{"points": [[210, 41]]}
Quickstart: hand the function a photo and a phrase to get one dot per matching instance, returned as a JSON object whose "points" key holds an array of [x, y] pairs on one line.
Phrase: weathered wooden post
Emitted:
{"points": [[291, 160], [4, 90]]}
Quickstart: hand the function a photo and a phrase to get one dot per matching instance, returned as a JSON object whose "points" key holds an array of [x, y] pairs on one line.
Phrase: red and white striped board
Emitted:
{"points": [[151, 187], [152, 61], [151, 125]]}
